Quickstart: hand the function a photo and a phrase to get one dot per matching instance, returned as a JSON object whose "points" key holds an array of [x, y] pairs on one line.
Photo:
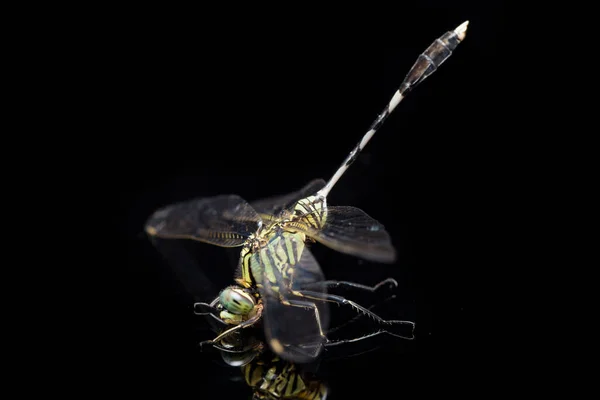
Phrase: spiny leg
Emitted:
{"points": [[212, 311], [341, 300], [211, 307], [367, 336], [228, 332], [339, 342], [335, 284], [358, 316], [245, 324]]}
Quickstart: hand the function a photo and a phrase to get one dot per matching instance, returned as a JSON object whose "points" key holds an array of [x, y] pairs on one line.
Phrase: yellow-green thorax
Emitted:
{"points": [[278, 245], [276, 258]]}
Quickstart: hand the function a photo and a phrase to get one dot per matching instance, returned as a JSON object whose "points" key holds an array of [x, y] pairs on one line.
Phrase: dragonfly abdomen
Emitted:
{"points": [[438, 52], [312, 210]]}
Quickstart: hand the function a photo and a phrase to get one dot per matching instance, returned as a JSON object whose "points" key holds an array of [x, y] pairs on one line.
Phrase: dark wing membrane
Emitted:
{"points": [[274, 205], [225, 221], [290, 322], [350, 230]]}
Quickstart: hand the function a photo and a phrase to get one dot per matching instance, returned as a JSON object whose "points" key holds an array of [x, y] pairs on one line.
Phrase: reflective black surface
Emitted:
{"points": [[201, 116]]}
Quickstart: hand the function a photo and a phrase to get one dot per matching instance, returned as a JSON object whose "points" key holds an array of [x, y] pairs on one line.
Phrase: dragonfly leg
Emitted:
{"points": [[346, 355], [339, 342], [207, 342], [256, 347], [335, 284], [358, 316], [249, 322], [306, 305], [367, 336], [341, 300], [210, 309], [217, 346]]}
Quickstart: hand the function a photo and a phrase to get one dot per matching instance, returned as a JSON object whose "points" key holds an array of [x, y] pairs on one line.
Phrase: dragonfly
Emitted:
{"points": [[240, 347], [278, 279]]}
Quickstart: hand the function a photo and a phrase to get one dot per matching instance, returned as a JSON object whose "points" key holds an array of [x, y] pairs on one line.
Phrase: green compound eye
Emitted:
{"points": [[236, 301]]}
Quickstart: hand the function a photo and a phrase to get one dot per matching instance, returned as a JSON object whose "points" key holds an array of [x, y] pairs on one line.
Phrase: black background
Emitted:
{"points": [[259, 107]]}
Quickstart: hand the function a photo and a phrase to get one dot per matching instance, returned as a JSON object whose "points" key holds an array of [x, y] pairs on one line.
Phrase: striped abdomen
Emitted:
{"points": [[281, 380], [311, 211]]}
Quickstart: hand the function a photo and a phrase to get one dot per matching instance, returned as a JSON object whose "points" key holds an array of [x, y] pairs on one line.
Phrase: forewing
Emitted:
{"points": [[225, 221], [274, 205], [290, 322], [350, 230]]}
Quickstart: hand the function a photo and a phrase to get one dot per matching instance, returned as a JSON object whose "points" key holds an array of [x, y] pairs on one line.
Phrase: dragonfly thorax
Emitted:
{"points": [[258, 240]]}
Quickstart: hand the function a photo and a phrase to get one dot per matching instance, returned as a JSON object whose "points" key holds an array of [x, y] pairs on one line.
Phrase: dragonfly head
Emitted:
{"points": [[237, 300]]}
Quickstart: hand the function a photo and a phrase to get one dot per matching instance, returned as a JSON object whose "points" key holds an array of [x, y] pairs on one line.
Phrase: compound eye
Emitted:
{"points": [[236, 301]]}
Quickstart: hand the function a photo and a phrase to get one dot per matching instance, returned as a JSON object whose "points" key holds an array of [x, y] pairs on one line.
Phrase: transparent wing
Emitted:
{"points": [[290, 321], [274, 205], [203, 283], [225, 221], [350, 230], [195, 281]]}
